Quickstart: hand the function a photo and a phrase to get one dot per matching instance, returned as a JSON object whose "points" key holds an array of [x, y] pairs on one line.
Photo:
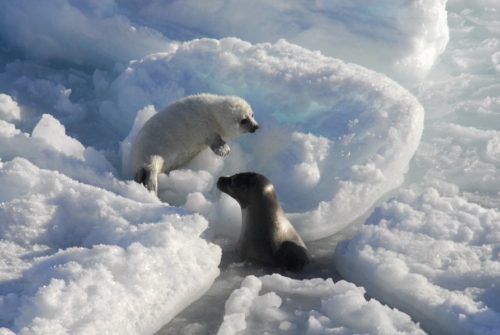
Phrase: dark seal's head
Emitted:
{"points": [[245, 186]]}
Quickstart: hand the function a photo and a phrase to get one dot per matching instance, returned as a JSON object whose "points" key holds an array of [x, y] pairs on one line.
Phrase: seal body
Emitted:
{"points": [[172, 137], [266, 234]]}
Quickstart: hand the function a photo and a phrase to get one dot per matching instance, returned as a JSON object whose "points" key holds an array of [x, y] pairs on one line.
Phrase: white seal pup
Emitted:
{"points": [[266, 234], [172, 137]]}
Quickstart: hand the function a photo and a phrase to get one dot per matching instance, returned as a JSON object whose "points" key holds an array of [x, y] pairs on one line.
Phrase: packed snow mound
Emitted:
{"points": [[400, 38], [334, 137], [431, 254], [82, 251], [49, 147], [76, 259], [275, 304]]}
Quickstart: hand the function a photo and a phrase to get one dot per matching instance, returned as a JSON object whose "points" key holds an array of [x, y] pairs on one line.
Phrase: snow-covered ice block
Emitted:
{"points": [[275, 304], [334, 138], [434, 255], [400, 38], [77, 259]]}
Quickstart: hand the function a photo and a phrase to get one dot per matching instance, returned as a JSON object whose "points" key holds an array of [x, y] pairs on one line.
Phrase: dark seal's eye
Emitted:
{"points": [[244, 122]]}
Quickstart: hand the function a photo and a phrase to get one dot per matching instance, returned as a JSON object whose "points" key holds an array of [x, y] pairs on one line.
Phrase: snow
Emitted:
{"points": [[433, 255], [77, 32], [400, 38], [53, 133], [465, 105], [433, 250], [275, 304], [79, 259], [83, 249]]}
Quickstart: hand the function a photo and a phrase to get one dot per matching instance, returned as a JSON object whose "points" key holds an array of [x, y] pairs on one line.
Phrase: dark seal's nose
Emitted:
{"points": [[254, 128], [222, 182]]}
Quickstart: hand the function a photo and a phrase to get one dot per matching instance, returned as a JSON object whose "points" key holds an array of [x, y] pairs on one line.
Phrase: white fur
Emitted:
{"points": [[184, 129]]}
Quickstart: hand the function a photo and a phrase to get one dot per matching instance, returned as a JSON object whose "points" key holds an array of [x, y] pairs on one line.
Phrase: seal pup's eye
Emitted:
{"points": [[244, 122]]}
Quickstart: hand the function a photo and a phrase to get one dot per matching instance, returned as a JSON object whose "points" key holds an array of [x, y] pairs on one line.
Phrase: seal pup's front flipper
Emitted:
{"points": [[219, 147]]}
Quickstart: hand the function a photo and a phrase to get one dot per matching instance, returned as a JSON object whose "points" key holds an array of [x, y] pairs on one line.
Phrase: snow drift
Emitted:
{"points": [[433, 255], [433, 251], [274, 304], [80, 259]]}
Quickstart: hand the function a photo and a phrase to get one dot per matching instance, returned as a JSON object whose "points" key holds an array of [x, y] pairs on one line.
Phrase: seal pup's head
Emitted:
{"points": [[234, 115]]}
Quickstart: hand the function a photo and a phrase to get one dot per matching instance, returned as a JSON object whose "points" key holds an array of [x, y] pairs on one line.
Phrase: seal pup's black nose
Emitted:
{"points": [[254, 128]]}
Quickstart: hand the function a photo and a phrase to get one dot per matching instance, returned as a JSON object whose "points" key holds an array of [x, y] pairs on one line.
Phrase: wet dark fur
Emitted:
{"points": [[292, 257], [289, 256]]}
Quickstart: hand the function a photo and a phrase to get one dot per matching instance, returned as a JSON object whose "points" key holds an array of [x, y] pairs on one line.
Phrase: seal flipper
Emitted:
{"points": [[142, 176], [291, 256], [219, 147], [148, 174]]}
